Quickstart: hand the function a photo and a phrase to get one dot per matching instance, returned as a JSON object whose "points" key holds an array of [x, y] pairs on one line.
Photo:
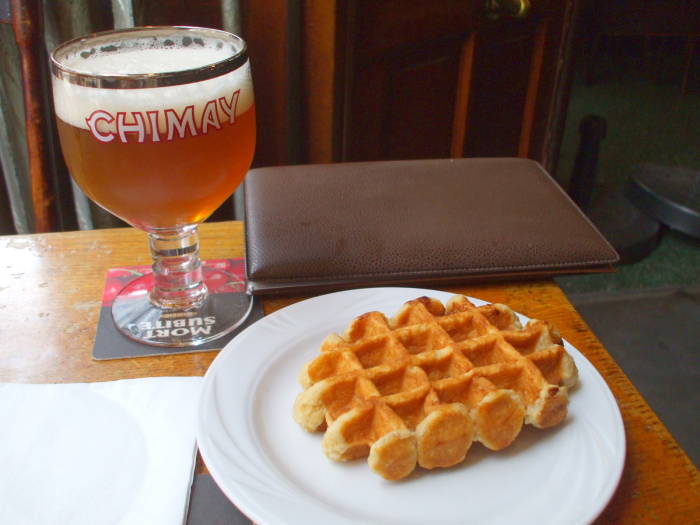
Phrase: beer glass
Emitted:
{"points": [[157, 126]]}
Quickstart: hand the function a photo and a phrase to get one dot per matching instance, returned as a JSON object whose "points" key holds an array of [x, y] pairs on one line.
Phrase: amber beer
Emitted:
{"points": [[158, 157]]}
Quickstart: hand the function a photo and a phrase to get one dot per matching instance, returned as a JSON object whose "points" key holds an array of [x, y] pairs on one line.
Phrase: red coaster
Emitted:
{"points": [[228, 277]]}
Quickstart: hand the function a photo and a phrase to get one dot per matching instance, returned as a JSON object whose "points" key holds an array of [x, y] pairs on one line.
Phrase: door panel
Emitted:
{"points": [[415, 79], [500, 79], [402, 108], [380, 27]]}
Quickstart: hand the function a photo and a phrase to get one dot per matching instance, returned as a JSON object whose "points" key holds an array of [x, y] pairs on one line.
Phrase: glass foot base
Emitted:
{"points": [[219, 314]]}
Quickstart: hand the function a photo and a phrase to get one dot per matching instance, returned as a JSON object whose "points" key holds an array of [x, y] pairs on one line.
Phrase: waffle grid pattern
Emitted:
{"points": [[421, 387]]}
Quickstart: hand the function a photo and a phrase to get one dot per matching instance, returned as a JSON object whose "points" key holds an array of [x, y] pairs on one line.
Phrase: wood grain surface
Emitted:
{"points": [[50, 291]]}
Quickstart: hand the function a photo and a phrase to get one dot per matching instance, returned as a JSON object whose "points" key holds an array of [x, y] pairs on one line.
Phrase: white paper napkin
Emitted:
{"points": [[97, 453]]}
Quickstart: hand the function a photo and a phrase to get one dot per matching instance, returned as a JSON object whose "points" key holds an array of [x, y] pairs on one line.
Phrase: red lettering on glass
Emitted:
{"points": [[153, 121], [180, 123], [137, 126], [210, 117], [230, 107], [92, 121], [177, 125]]}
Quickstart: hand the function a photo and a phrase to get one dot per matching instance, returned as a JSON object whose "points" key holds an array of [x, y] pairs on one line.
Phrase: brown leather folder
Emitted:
{"points": [[331, 226]]}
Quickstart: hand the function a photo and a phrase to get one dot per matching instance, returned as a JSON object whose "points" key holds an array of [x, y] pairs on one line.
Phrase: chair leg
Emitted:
{"points": [[27, 24]]}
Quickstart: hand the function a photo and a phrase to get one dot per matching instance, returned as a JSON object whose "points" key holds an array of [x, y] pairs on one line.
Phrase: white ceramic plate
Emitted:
{"points": [[276, 473]]}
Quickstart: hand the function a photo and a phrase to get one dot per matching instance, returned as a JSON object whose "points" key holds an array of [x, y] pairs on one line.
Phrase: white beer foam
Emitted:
{"points": [[139, 59], [74, 104]]}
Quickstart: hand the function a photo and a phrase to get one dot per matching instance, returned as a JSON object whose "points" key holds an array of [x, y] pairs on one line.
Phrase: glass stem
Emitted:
{"points": [[177, 269]]}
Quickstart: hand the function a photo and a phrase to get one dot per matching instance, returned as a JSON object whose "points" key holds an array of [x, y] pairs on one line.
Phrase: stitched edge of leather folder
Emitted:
{"points": [[262, 287], [475, 270]]}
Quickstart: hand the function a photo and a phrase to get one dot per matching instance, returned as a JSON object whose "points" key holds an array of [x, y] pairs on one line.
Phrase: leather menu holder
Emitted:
{"points": [[332, 226]]}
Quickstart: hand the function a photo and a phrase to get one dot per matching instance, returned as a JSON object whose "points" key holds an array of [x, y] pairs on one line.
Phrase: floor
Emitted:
{"points": [[654, 335], [647, 314]]}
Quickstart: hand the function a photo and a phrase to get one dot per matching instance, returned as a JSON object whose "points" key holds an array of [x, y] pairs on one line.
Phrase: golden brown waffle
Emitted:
{"points": [[422, 386]]}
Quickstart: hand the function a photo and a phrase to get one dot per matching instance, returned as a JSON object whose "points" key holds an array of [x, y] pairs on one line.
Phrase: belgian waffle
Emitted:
{"points": [[420, 387]]}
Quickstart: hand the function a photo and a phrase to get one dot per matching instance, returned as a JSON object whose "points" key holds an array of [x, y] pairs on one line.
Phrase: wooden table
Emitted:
{"points": [[50, 290]]}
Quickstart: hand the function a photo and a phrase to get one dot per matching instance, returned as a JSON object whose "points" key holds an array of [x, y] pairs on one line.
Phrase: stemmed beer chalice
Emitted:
{"points": [[157, 126]]}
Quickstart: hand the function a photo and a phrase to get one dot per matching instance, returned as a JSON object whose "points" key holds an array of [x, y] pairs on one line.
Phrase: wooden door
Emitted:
{"points": [[401, 79]]}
